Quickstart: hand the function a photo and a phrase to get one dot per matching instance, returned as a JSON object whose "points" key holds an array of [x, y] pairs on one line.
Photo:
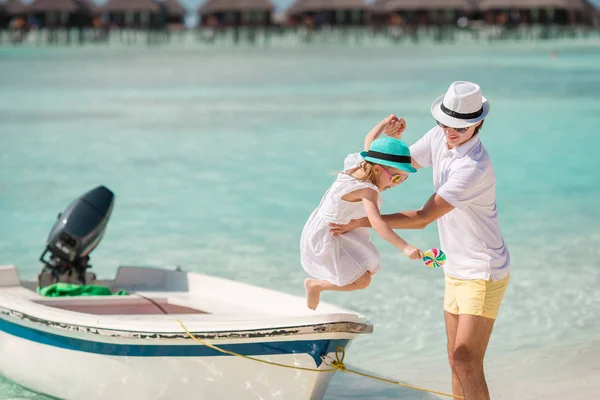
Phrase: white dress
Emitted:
{"points": [[342, 259]]}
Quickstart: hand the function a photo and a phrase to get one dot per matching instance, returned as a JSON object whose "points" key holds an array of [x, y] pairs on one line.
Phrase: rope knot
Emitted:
{"points": [[338, 366], [338, 363]]}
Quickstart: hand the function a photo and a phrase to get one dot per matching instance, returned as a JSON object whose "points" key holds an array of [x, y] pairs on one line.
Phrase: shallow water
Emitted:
{"points": [[218, 156]]}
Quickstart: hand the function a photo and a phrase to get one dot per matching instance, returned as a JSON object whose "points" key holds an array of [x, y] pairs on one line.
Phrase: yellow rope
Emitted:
{"points": [[336, 365]]}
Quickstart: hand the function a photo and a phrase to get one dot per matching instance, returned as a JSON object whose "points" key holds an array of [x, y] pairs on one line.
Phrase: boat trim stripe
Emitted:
{"points": [[313, 348]]}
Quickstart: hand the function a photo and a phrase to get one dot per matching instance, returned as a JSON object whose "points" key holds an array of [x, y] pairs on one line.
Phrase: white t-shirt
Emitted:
{"points": [[470, 234]]}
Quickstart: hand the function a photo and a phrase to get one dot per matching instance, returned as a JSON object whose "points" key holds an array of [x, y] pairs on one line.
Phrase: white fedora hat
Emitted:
{"points": [[461, 106]]}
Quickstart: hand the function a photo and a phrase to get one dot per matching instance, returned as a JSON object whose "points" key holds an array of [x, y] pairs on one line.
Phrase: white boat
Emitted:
{"points": [[132, 347]]}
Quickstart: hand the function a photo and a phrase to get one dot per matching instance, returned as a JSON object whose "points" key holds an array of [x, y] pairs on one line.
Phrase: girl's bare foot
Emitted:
{"points": [[312, 293]]}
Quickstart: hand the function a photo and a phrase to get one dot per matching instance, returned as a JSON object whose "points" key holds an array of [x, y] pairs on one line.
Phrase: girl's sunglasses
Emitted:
{"points": [[395, 178], [458, 130]]}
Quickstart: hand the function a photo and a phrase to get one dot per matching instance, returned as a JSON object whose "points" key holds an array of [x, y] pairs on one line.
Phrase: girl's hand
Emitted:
{"points": [[389, 124], [394, 127], [413, 253]]}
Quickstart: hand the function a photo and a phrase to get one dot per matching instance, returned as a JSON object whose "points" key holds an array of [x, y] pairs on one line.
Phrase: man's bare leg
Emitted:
{"points": [[472, 338], [314, 287], [451, 328]]}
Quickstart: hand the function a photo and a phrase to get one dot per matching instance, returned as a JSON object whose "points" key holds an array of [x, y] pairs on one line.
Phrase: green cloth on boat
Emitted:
{"points": [[62, 289]]}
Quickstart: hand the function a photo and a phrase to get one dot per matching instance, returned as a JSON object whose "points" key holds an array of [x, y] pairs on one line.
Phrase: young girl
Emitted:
{"points": [[346, 262]]}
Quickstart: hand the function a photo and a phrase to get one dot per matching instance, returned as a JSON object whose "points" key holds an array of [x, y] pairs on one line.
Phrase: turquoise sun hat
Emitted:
{"points": [[389, 152]]}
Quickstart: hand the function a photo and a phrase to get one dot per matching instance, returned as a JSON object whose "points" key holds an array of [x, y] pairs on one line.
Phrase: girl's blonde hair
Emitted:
{"points": [[369, 170]]}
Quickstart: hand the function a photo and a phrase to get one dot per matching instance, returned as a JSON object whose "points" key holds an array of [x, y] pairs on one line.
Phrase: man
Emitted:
{"points": [[464, 204]]}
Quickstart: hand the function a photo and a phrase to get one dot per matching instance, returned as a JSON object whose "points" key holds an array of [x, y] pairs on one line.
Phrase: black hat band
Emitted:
{"points": [[388, 157], [458, 115]]}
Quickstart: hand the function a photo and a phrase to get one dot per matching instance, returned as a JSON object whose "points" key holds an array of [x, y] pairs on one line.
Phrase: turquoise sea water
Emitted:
{"points": [[218, 156]]}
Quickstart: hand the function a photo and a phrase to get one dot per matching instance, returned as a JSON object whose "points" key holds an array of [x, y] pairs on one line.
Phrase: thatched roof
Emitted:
{"points": [[303, 6], [42, 6], [120, 6], [174, 8], [385, 6], [214, 6], [13, 7], [529, 4]]}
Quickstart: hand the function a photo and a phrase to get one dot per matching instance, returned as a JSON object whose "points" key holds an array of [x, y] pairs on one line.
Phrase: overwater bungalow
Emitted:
{"points": [[174, 13], [11, 9], [317, 13], [131, 14], [13, 16], [235, 13], [420, 13], [52, 14], [529, 12]]}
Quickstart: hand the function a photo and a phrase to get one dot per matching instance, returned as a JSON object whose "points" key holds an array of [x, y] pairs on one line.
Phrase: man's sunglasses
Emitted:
{"points": [[458, 130]]}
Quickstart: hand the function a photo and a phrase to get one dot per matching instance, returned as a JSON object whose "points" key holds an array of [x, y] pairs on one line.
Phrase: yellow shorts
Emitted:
{"points": [[474, 296]]}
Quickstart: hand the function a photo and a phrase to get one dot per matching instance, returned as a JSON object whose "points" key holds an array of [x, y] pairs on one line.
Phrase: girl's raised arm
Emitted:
{"points": [[392, 126]]}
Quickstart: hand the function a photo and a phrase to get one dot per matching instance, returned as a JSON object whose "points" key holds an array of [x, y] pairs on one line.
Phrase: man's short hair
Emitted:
{"points": [[478, 128]]}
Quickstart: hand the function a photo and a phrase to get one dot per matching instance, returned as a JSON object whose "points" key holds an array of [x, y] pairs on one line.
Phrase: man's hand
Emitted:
{"points": [[394, 127], [338, 229]]}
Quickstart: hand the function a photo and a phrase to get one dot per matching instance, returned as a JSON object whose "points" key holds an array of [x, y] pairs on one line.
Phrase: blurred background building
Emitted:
{"points": [[67, 21]]}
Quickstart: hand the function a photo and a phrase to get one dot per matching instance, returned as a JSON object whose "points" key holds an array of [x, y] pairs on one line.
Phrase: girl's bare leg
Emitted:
{"points": [[314, 287]]}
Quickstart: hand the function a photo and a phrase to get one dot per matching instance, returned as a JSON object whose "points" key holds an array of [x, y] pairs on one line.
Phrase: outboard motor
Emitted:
{"points": [[77, 232]]}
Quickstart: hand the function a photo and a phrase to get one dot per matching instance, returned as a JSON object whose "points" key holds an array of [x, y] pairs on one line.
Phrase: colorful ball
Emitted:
{"points": [[434, 258]]}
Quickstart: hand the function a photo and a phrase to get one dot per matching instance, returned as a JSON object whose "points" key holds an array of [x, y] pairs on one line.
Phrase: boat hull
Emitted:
{"points": [[71, 365]]}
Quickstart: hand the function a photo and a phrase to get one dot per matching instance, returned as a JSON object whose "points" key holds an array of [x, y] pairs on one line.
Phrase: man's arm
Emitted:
{"points": [[435, 208], [414, 163], [421, 149]]}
